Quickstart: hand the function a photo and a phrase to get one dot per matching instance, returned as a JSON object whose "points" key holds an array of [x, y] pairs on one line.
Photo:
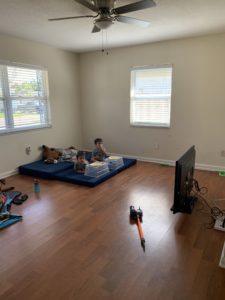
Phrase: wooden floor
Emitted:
{"points": [[77, 242]]}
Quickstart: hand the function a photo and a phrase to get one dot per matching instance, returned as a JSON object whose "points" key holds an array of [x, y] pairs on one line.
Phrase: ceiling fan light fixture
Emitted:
{"points": [[103, 24], [107, 14]]}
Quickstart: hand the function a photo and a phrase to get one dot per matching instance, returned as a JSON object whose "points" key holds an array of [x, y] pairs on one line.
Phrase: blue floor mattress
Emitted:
{"points": [[64, 171], [42, 170]]}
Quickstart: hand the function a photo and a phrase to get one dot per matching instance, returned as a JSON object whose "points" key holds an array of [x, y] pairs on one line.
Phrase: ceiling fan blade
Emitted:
{"points": [[87, 4], [68, 18], [134, 6], [132, 21], [95, 29]]}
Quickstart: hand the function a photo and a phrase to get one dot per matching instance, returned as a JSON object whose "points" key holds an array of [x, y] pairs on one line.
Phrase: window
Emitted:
{"points": [[23, 98], [150, 96]]}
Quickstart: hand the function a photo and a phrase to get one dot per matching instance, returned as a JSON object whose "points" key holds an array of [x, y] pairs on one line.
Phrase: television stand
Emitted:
{"points": [[187, 207], [220, 224], [189, 204]]}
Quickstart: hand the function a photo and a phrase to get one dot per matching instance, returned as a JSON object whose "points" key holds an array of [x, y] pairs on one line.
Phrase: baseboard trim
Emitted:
{"points": [[144, 159], [209, 167], [9, 173], [172, 163]]}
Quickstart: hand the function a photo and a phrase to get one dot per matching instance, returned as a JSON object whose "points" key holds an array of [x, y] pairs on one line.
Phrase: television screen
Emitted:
{"points": [[184, 172]]}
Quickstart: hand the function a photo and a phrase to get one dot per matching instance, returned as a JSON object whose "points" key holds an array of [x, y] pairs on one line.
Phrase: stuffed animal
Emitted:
{"points": [[50, 155]]}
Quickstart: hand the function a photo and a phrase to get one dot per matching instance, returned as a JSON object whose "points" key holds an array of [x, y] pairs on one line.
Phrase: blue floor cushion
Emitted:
{"points": [[42, 170], [64, 171], [128, 162], [73, 177]]}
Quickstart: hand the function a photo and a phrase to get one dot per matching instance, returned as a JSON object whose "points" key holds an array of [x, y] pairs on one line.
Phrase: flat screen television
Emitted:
{"points": [[184, 172]]}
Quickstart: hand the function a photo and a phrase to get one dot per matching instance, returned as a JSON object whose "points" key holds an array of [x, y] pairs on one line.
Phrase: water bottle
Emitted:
{"points": [[36, 186]]}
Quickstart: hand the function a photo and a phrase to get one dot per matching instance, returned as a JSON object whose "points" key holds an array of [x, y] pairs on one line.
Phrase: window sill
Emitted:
{"points": [[150, 125], [20, 130]]}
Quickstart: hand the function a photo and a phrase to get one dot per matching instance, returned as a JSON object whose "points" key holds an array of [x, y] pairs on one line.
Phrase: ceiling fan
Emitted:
{"points": [[106, 14]]}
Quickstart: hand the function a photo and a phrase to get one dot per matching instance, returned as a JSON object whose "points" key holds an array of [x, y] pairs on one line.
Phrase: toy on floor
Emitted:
{"points": [[6, 200], [137, 214]]}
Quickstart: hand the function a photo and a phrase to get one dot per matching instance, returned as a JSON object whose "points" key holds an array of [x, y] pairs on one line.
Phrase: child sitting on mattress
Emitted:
{"points": [[81, 162], [99, 153]]}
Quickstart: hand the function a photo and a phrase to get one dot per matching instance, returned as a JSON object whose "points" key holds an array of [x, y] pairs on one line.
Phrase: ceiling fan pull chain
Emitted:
{"points": [[102, 42], [105, 42]]}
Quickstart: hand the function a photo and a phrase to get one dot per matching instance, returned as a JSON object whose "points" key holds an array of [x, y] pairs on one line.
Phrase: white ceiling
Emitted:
{"points": [[169, 19]]}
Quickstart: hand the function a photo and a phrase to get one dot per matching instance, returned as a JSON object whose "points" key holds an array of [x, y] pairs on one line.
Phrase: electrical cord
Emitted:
{"points": [[214, 212], [202, 190]]}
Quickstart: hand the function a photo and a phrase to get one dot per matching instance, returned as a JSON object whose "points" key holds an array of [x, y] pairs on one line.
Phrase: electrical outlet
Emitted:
{"points": [[156, 145], [28, 150], [223, 153]]}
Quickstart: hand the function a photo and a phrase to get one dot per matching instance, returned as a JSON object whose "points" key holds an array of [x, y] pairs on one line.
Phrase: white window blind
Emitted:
{"points": [[151, 96], [24, 102]]}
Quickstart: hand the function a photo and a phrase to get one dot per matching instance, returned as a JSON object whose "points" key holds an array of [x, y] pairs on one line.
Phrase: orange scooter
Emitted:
{"points": [[137, 214]]}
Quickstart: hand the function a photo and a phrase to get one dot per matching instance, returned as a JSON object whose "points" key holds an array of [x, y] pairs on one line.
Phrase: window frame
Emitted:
{"points": [[7, 100], [132, 96]]}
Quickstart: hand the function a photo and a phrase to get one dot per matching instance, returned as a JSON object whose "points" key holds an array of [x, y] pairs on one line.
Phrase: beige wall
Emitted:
{"points": [[198, 99], [198, 104], [64, 100]]}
